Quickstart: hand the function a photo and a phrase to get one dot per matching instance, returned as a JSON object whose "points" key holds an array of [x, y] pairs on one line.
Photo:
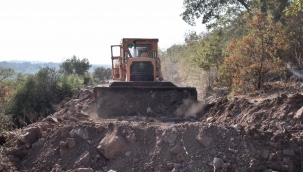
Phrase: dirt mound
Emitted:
{"points": [[280, 113], [226, 135]]}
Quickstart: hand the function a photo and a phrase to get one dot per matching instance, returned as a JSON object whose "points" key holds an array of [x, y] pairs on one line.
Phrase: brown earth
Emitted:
{"points": [[164, 131]]}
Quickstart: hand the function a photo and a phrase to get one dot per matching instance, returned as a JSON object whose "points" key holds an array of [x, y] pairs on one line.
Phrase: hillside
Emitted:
{"points": [[28, 67]]}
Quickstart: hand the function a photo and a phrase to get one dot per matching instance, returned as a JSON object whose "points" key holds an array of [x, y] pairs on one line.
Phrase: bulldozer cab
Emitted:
{"points": [[137, 60]]}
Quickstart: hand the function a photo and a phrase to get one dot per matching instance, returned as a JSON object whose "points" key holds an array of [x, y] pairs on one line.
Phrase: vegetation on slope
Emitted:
{"points": [[246, 45], [26, 98]]}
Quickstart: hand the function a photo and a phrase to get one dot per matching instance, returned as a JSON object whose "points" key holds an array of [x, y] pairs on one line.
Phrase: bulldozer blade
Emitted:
{"points": [[135, 98], [136, 88]]}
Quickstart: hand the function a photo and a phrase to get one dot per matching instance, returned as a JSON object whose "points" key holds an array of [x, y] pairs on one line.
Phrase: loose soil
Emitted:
{"points": [[164, 131]]}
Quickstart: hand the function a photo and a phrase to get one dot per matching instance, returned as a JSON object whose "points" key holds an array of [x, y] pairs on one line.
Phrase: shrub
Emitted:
{"points": [[37, 95]]}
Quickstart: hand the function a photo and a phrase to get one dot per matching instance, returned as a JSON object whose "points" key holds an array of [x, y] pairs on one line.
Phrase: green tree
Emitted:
{"points": [[211, 10], [99, 73], [75, 66], [6, 73], [229, 10], [102, 73], [207, 55]]}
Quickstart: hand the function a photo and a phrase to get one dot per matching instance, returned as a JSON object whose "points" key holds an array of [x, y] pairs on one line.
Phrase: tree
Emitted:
{"points": [[294, 32], [210, 10], [101, 73], [295, 8], [255, 56], [75, 66], [207, 54], [6, 73]]}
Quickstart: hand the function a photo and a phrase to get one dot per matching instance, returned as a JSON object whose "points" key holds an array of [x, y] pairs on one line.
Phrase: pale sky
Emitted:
{"points": [[54, 30]]}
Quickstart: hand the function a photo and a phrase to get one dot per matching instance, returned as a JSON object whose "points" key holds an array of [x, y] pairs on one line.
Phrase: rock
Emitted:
{"points": [[237, 126], [65, 132], [29, 135], [169, 137], [264, 154], [203, 140], [85, 94], [44, 126], [85, 170], [299, 114], [131, 138], [51, 119], [83, 158], [100, 129], [112, 145], [176, 150], [289, 152], [218, 163], [276, 145], [17, 152], [209, 119], [226, 165], [71, 142], [169, 166], [79, 132], [128, 153], [63, 145]]}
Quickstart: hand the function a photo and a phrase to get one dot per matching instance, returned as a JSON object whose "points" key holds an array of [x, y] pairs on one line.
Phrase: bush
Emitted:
{"points": [[37, 95]]}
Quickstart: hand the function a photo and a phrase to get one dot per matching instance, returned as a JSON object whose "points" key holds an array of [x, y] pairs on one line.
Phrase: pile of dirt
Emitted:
{"points": [[237, 134]]}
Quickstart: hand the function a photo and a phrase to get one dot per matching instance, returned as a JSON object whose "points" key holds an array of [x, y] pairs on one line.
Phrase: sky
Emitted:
{"points": [[55, 30]]}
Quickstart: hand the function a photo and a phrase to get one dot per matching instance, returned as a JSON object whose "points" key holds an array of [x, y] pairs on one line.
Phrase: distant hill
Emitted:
{"points": [[32, 67]]}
